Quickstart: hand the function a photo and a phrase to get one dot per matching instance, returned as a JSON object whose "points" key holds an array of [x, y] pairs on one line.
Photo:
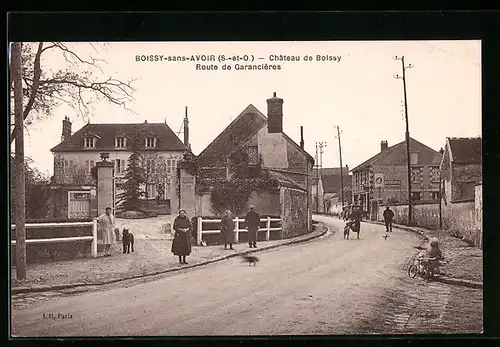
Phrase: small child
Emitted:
{"points": [[433, 251]]}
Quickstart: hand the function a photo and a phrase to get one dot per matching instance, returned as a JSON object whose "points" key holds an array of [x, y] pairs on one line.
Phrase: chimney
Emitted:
{"points": [[186, 129], [383, 146], [275, 114], [441, 151], [302, 137], [66, 129]]}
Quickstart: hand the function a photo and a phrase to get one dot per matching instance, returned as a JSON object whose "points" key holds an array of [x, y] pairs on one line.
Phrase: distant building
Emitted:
{"points": [[461, 168], [383, 179], [78, 152], [330, 188], [254, 147]]}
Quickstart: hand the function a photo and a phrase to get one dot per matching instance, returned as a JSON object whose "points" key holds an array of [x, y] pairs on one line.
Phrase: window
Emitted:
{"points": [[89, 164], [169, 166], [120, 142], [434, 195], [150, 142], [414, 158], [415, 175], [434, 174], [415, 196], [120, 166], [89, 142]]}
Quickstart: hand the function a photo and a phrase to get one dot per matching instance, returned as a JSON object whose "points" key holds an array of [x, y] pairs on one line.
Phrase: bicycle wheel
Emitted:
{"points": [[412, 271]]}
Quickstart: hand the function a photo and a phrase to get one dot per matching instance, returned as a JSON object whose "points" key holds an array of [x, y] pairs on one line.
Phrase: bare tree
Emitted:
{"points": [[73, 85], [155, 173]]}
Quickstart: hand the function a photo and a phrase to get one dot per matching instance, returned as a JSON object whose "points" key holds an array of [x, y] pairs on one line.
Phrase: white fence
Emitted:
{"points": [[237, 230], [92, 238]]}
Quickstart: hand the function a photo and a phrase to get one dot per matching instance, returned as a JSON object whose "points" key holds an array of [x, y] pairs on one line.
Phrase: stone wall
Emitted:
{"points": [[266, 204], [424, 215], [294, 214], [468, 174]]}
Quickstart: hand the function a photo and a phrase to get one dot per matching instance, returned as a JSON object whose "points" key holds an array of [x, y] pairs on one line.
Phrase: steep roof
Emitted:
{"points": [[466, 149], [331, 183], [396, 155], [325, 171], [167, 139], [239, 131]]}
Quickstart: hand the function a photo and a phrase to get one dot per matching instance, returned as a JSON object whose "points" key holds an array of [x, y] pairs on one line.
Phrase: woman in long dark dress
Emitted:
{"points": [[181, 245], [227, 230]]}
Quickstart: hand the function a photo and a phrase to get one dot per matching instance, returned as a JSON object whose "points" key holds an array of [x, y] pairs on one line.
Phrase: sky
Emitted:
{"points": [[358, 93]]}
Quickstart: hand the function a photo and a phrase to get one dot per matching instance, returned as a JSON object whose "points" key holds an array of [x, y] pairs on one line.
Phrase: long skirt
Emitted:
{"points": [[181, 245], [108, 236], [226, 237]]}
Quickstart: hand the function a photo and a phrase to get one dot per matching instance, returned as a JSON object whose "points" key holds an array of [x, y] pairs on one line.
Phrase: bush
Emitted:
{"points": [[132, 215]]}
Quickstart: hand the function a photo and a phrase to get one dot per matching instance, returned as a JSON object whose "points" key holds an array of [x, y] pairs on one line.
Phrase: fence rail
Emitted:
{"points": [[92, 238], [237, 230]]}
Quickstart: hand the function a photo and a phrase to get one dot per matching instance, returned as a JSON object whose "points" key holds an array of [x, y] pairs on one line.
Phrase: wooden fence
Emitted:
{"points": [[237, 230], [92, 238]]}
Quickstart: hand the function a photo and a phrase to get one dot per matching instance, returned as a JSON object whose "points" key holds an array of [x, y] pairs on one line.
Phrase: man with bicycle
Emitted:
{"points": [[355, 216]]}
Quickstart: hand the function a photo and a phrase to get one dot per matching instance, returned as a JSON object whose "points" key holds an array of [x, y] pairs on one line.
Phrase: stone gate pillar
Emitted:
{"points": [[187, 191], [174, 198], [105, 173]]}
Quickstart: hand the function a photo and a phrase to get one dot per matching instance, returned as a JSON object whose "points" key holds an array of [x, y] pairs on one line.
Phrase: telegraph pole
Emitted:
{"points": [[19, 173], [341, 172], [319, 157], [407, 135]]}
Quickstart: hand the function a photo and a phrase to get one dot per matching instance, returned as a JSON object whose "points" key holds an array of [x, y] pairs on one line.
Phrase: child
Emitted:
{"points": [[433, 251]]}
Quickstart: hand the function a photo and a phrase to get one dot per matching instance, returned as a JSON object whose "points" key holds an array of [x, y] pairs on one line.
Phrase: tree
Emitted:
{"points": [[44, 90], [129, 199], [155, 171]]}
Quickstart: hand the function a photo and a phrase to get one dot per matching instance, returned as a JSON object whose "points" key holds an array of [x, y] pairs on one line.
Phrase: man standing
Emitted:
{"points": [[388, 216], [253, 222], [107, 220]]}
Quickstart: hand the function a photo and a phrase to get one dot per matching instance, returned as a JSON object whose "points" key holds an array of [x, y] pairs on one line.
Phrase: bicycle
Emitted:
{"points": [[421, 266]]}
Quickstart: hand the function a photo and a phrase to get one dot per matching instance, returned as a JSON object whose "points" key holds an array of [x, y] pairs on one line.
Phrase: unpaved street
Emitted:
{"points": [[326, 286]]}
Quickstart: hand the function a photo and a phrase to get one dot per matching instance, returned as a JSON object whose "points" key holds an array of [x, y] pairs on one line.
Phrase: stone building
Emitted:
{"points": [[383, 179], [254, 151], [461, 172], [78, 152]]}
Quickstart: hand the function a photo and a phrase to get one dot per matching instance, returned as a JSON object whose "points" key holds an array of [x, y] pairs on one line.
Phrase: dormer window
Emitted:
{"points": [[120, 142], [150, 142], [89, 142]]}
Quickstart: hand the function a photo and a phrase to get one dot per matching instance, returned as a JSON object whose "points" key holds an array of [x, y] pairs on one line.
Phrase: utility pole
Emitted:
{"points": [[341, 168], [19, 189], [407, 135], [319, 156]]}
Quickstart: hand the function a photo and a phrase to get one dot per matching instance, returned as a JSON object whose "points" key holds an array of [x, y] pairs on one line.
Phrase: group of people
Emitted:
{"points": [[181, 245]]}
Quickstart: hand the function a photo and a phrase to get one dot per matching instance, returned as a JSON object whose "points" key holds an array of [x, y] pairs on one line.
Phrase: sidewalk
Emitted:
{"points": [[151, 257], [463, 264]]}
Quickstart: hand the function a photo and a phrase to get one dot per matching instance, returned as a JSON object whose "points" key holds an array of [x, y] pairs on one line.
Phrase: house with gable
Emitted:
{"points": [[383, 179], [461, 179], [77, 154], [254, 149], [327, 184]]}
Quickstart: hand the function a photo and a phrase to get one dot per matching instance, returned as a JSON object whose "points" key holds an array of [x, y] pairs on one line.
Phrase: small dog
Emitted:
{"points": [[128, 241], [250, 259]]}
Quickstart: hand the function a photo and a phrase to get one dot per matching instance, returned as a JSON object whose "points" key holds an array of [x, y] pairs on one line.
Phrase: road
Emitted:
{"points": [[326, 286]]}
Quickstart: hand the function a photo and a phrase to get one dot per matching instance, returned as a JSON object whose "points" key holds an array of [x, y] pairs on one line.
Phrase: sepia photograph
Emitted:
{"points": [[252, 188]]}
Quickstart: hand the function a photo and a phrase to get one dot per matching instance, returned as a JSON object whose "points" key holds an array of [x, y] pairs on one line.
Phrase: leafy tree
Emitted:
{"points": [[37, 191], [130, 198], [74, 84]]}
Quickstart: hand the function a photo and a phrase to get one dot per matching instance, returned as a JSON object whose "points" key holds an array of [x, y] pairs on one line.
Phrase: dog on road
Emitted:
{"points": [[250, 259], [128, 241]]}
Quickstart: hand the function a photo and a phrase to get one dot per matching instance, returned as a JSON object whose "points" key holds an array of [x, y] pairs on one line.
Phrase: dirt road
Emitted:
{"points": [[326, 286]]}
